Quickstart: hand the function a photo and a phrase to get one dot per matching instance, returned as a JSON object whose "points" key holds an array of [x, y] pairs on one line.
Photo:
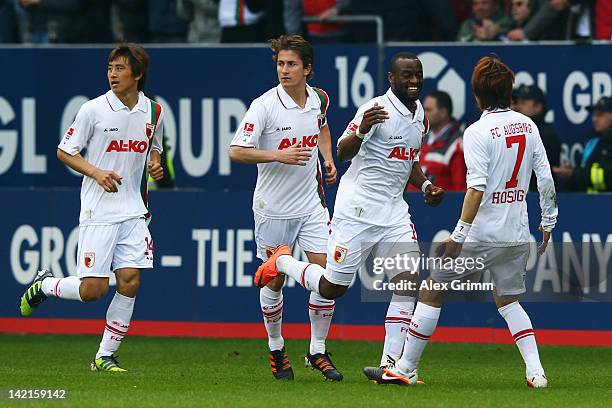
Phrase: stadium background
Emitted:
{"points": [[203, 233]]}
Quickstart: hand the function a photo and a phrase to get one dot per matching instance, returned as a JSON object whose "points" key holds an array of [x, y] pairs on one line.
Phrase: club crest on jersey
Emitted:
{"points": [[150, 129], [340, 253], [321, 120], [89, 259]]}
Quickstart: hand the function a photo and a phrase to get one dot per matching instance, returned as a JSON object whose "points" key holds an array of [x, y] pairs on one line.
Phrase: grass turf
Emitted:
{"points": [[168, 372]]}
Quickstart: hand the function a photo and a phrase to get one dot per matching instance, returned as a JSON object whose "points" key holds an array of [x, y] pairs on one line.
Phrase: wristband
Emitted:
{"points": [[461, 231], [359, 135], [425, 184]]}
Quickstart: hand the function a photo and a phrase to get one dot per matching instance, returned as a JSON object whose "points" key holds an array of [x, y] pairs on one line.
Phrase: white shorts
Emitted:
{"points": [[507, 265], [351, 242], [105, 248], [311, 233]]}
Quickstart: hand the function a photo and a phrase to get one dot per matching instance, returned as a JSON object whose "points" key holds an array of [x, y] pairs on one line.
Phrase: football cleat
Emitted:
{"points": [[323, 363], [34, 296], [537, 381], [375, 374], [395, 374], [267, 270], [281, 367], [107, 363]]}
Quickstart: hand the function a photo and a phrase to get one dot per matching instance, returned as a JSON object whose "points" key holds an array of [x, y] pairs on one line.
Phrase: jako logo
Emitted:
{"points": [[307, 141], [136, 146], [447, 80], [401, 153]]}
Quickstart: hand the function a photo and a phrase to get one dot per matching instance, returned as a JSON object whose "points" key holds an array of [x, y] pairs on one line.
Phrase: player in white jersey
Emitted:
{"points": [[283, 132], [370, 215], [121, 131], [501, 150]]}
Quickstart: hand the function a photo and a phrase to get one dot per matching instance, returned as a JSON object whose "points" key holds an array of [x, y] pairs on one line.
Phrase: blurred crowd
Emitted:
{"points": [[227, 21]]}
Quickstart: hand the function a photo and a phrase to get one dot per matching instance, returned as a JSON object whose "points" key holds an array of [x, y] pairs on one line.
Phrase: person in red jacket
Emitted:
{"points": [[441, 156]]}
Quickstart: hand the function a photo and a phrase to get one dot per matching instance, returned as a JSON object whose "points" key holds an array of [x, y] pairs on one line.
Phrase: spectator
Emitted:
{"points": [[273, 23], [488, 23], [37, 22], [603, 20], [415, 20], [521, 12], [239, 23], [73, 21], [9, 26], [203, 20], [530, 101], [441, 156], [133, 23], [322, 32], [595, 172], [165, 25], [549, 22]]}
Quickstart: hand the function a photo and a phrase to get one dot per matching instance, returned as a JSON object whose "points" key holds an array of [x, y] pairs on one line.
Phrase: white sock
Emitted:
{"points": [[421, 328], [397, 322], [272, 309], [63, 288], [521, 329], [118, 318], [321, 311], [306, 274]]}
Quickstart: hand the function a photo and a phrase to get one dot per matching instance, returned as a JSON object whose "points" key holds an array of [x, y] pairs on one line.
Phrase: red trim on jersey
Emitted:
{"points": [[480, 335], [325, 98]]}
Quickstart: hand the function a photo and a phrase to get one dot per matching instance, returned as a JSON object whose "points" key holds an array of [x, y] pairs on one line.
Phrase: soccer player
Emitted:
{"points": [[283, 132], [383, 141], [121, 131], [501, 150]]}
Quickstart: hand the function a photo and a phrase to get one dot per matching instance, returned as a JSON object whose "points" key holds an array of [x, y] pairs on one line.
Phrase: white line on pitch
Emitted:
{"points": [[171, 260]]}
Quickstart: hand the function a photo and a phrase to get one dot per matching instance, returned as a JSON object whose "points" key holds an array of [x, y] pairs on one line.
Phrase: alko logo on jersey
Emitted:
{"points": [[402, 153], [135, 146], [307, 141]]}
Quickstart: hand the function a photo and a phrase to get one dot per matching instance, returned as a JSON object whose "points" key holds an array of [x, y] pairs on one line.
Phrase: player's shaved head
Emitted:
{"points": [[399, 56], [492, 83], [137, 58]]}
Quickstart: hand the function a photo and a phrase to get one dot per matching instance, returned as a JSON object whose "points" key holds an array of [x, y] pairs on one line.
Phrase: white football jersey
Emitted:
{"points": [[501, 150], [275, 122], [372, 189], [120, 140]]}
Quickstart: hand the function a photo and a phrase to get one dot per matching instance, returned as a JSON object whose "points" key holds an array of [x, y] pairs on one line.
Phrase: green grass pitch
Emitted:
{"points": [[177, 372]]}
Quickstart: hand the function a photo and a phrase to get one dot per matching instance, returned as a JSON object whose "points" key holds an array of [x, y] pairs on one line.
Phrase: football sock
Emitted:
{"points": [[421, 328], [321, 311], [63, 288], [306, 274], [272, 309], [397, 322], [118, 318], [522, 331]]}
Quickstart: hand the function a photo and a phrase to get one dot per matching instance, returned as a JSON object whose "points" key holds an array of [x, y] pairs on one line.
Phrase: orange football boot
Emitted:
{"points": [[267, 270]]}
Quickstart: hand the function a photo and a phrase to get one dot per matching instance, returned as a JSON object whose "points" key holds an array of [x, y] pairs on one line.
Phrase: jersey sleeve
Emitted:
{"points": [[546, 186], [477, 159], [78, 135], [158, 135], [251, 127], [354, 124]]}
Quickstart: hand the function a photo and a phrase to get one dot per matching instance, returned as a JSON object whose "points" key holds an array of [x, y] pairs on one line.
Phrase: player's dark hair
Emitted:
{"points": [[492, 83], [399, 56], [443, 101], [137, 58], [297, 44]]}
